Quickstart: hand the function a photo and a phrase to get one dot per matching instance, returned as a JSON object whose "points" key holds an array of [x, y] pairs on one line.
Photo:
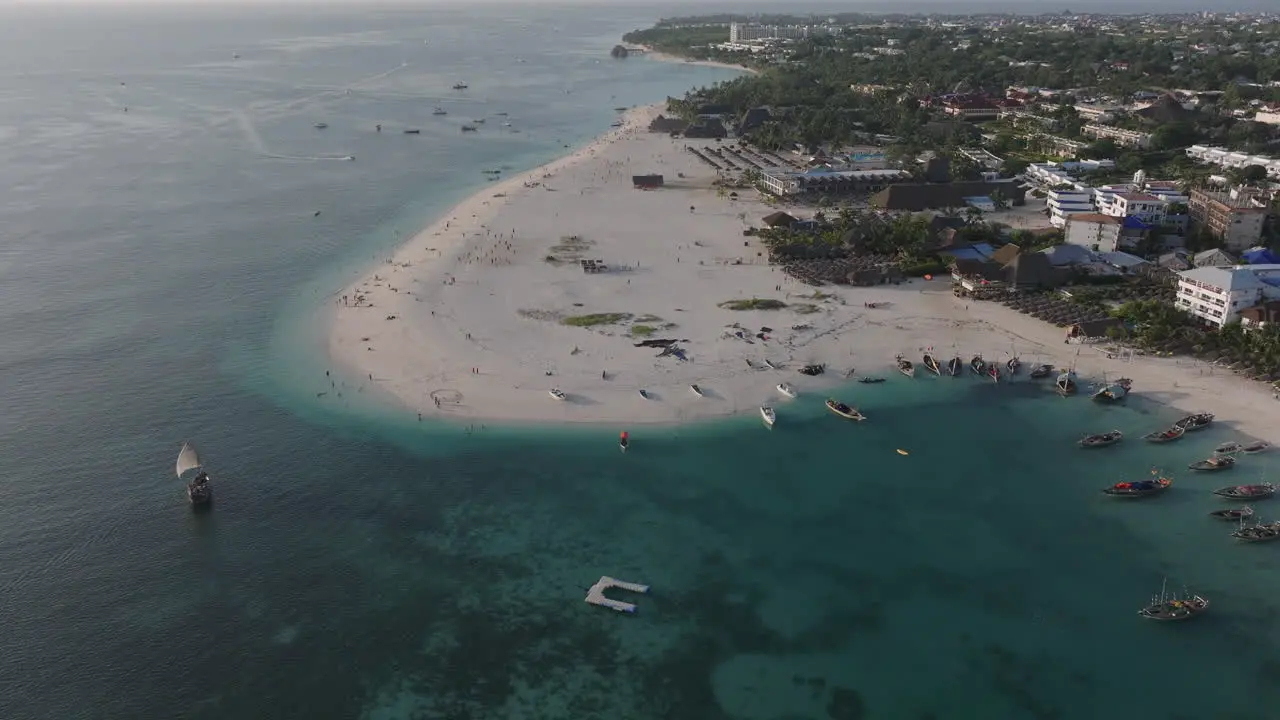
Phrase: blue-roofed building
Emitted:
{"points": [[1261, 256]]}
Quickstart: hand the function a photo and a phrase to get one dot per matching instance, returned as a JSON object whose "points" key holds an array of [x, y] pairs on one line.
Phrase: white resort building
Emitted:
{"points": [[1218, 295]]}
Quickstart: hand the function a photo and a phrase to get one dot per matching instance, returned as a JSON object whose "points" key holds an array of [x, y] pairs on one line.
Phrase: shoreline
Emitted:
{"points": [[476, 311], [668, 57]]}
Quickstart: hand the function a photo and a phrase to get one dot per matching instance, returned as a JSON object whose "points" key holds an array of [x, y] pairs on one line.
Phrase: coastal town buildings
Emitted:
{"points": [[1120, 136], [1219, 295], [1225, 158], [1094, 230], [783, 183], [746, 32], [1234, 217]]}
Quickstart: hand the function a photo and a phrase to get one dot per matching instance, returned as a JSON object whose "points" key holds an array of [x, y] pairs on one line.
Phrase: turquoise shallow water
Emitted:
{"points": [[158, 274]]}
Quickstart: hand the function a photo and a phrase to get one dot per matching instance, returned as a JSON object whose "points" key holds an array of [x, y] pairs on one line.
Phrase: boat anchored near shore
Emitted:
{"points": [[1170, 607], [844, 411], [767, 413]]}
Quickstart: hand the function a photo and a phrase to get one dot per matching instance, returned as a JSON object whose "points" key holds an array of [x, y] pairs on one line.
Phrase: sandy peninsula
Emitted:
{"points": [[482, 314]]}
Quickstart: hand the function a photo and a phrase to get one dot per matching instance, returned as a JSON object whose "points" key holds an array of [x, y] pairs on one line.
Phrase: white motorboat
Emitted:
{"points": [[696, 390], [770, 417], [788, 390], [557, 394]]}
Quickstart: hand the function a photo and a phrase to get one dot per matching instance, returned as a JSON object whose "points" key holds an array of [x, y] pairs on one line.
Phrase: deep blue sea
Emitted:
{"points": [[160, 268]]}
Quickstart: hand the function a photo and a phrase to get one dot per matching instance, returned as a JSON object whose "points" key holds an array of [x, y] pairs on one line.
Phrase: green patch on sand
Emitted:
{"points": [[753, 304], [595, 319]]}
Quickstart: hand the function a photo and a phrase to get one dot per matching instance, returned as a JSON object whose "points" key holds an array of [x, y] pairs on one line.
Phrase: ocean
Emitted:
{"points": [[162, 270]]}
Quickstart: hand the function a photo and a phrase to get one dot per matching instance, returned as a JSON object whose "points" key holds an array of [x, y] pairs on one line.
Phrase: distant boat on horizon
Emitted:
{"points": [[459, 86]]}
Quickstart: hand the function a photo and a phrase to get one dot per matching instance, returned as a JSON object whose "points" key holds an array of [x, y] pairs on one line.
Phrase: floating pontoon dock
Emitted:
{"points": [[595, 595]]}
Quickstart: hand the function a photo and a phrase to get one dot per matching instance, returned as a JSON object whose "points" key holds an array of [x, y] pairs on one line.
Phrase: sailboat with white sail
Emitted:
{"points": [[199, 491]]}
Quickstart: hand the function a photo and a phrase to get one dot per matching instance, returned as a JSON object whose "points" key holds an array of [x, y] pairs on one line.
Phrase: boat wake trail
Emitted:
{"points": [[258, 146]]}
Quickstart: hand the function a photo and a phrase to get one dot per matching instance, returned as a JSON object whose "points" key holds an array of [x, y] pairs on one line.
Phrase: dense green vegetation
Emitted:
{"points": [[808, 83], [1161, 327]]}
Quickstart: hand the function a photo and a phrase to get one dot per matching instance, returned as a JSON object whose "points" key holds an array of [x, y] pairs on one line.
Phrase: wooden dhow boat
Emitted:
{"points": [[954, 366], [1164, 436], [557, 394], [993, 372], [1233, 514], [905, 367], [1198, 421], [1257, 491], [1258, 532], [1170, 608], [844, 411], [813, 370], [199, 491], [1101, 439], [978, 366], [1256, 447], [1013, 364], [1213, 464], [1066, 383], [1139, 488], [871, 380], [1113, 392], [1228, 448], [931, 364], [1041, 371]]}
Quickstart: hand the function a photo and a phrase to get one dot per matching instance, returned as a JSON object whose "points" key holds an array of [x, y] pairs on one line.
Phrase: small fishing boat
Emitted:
{"points": [[1013, 365], [199, 491], [844, 411], [931, 364], [870, 380], [696, 390], [1164, 436], [1139, 488], [1228, 448], [788, 390], [644, 393], [468, 128], [412, 131], [555, 393], [439, 111], [978, 365], [905, 367], [1168, 608], [954, 365], [1258, 532], [1198, 421], [770, 417], [1214, 464], [1113, 392], [813, 370], [478, 121], [459, 86], [1259, 491], [1101, 439], [772, 365], [1256, 447], [993, 372], [624, 440], [1233, 514], [1066, 383], [1041, 371], [321, 126]]}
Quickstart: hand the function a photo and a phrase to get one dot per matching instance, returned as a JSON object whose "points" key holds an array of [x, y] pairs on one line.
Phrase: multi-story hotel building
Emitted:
{"points": [[1217, 295], [1232, 217]]}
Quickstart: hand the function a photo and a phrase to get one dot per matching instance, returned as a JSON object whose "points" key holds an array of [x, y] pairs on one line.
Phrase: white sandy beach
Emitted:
{"points": [[468, 312]]}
